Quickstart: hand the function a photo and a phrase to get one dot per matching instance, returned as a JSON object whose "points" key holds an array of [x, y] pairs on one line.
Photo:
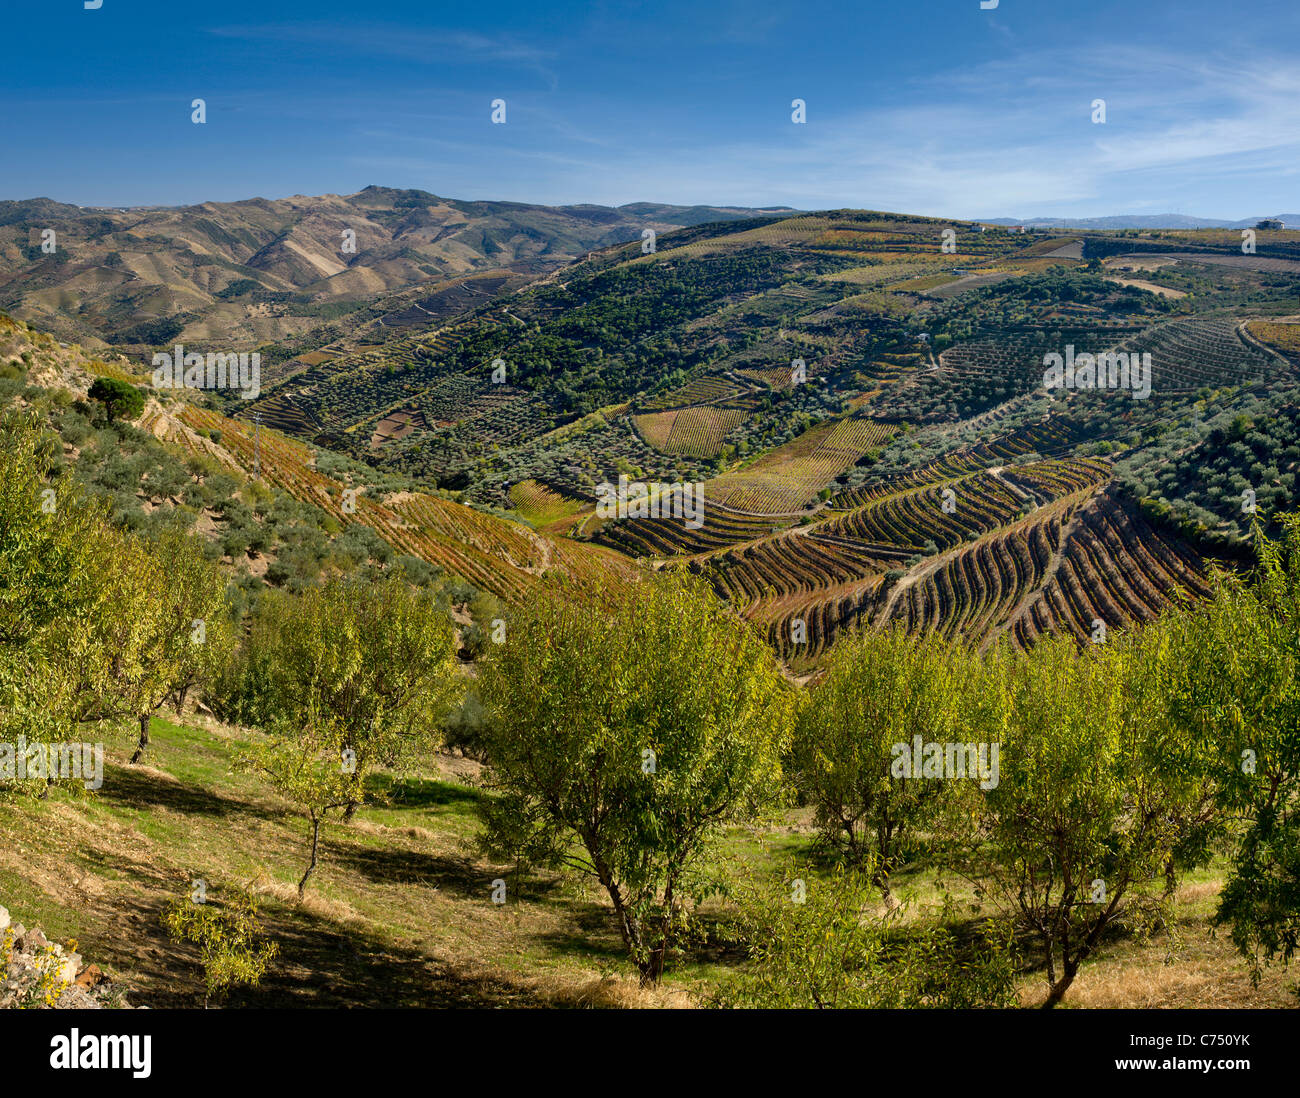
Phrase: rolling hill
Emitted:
{"points": [[832, 380], [246, 273]]}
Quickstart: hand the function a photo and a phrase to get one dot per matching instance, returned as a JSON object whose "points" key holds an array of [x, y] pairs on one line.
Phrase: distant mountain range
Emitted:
{"points": [[302, 270], [222, 272], [1141, 221]]}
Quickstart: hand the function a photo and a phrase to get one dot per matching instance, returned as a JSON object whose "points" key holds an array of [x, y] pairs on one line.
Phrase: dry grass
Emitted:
{"points": [[399, 912], [1286, 337]]}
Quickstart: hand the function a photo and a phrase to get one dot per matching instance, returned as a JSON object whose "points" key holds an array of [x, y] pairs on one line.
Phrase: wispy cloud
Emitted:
{"points": [[410, 44]]}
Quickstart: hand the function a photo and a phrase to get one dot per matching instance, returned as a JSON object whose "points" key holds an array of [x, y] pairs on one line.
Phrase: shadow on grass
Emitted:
{"points": [[394, 792], [448, 873], [588, 931], [141, 791], [320, 964]]}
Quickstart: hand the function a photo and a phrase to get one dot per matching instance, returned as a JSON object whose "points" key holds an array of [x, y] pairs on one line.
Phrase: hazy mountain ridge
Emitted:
{"points": [[262, 270], [1142, 221]]}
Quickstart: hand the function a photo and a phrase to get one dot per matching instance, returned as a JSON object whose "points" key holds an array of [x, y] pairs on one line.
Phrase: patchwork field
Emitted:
{"points": [[695, 431], [787, 479]]}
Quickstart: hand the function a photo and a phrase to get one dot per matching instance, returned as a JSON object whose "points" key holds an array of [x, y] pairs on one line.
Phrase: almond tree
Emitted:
{"points": [[881, 689], [1097, 791], [56, 551], [1239, 689], [364, 672], [182, 632], [627, 727]]}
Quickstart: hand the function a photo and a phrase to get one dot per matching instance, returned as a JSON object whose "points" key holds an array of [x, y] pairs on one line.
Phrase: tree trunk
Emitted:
{"points": [[1171, 878], [311, 867], [628, 927], [144, 739], [1061, 986], [356, 796], [653, 968]]}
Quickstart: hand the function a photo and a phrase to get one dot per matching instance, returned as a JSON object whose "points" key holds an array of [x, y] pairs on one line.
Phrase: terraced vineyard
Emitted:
{"points": [[491, 553], [1086, 559], [638, 537], [790, 476], [1284, 337], [1114, 568], [543, 506], [977, 504], [922, 474], [1051, 435], [701, 390]]}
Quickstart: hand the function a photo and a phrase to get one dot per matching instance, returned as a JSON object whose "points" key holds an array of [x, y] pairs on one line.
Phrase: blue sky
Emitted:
{"points": [[923, 106]]}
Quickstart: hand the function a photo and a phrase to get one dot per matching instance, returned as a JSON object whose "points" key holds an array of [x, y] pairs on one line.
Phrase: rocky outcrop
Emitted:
{"points": [[38, 973]]}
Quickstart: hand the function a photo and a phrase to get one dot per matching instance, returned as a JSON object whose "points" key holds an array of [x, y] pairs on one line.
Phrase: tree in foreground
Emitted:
{"points": [[626, 728], [348, 677], [1239, 688], [182, 631], [882, 689], [1097, 793]]}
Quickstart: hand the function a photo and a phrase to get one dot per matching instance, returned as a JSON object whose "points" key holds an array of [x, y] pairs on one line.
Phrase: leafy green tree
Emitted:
{"points": [[56, 556], [303, 766], [1239, 689], [182, 632], [881, 689], [1097, 792], [819, 943], [627, 726], [365, 670], [47, 531], [121, 400]]}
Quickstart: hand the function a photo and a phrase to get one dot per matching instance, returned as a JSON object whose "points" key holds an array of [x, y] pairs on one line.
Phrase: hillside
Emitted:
{"points": [[402, 916], [830, 380], [876, 447], [241, 274], [291, 522]]}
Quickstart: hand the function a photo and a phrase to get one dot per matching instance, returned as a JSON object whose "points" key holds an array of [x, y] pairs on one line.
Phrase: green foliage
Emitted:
{"points": [[1239, 688], [232, 947], [820, 943], [1099, 793], [363, 668], [881, 689], [121, 399], [344, 678], [627, 726]]}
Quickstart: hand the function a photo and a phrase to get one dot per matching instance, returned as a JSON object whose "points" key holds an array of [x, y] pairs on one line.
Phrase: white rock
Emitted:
{"points": [[4, 918], [71, 966]]}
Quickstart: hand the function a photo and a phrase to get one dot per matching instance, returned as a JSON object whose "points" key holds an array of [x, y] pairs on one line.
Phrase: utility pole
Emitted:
{"points": [[257, 445]]}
